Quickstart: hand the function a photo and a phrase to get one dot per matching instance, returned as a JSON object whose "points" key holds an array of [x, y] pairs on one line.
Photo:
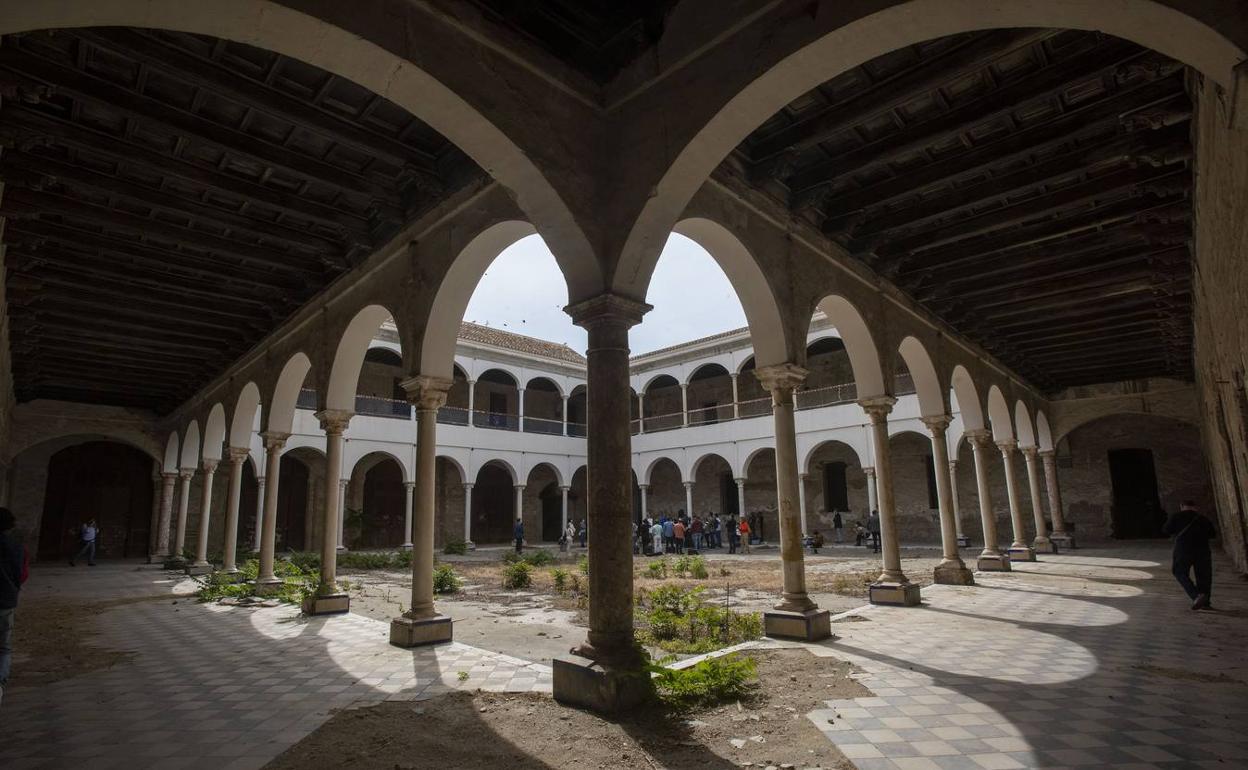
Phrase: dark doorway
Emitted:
{"points": [[292, 506], [493, 505], [1137, 509], [835, 488], [381, 522], [729, 502], [104, 480], [552, 512]]}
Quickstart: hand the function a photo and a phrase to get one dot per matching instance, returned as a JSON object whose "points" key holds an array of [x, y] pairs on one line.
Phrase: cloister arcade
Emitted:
{"points": [[942, 235]]}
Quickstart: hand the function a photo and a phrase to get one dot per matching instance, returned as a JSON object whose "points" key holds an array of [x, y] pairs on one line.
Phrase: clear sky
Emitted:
{"points": [[524, 292]]}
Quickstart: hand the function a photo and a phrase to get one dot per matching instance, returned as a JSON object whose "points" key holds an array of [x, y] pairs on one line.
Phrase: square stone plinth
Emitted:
{"points": [[1021, 554], [198, 569], [953, 574], [894, 594], [269, 587], [326, 604], [1063, 541], [964, 541], [583, 683], [408, 632], [1044, 546], [810, 626], [993, 563]]}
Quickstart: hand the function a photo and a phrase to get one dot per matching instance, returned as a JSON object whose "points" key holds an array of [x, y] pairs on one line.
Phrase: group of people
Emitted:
{"points": [[691, 534]]}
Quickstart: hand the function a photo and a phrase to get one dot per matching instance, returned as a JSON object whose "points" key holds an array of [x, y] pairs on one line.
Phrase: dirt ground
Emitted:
{"points": [[539, 624], [463, 731]]}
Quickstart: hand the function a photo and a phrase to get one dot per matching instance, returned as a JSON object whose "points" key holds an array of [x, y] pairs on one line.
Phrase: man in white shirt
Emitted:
{"points": [[87, 535]]}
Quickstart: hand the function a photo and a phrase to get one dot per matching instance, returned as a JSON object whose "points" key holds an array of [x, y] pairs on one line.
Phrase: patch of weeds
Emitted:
{"points": [[297, 584], [216, 586], [535, 558], [462, 676], [560, 576], [307, 561], [582, 564], [455, 548], [724, 572], [445, 581], [656, 570], [704, 684], [676, 620], [691, 567], [375, 559], [517, 575]]}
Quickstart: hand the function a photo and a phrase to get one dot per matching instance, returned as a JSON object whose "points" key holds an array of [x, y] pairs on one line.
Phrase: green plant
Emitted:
{"points": [[306, 561], [375, 559], [656, 570], [455, 547], [583, 564], [560, 577], [539, 558], [517, 575], [575, 582], [445, 581], [706, 683], [676, 620], [691, 567], [462, 676]]}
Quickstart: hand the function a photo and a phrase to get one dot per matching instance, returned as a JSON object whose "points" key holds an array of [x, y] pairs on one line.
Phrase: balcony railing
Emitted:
{"points": [[755, 407], [453, 415], [577, 429], [306, 400], [377, 406], [496, 420], [663, 422], [903, 385], [543, 425], [833, 394]]}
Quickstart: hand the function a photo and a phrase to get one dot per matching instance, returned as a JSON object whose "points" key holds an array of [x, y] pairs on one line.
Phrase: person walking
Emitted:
{"points": [[86, 535], [1192, 532], [584, 533], [838, 525], [14, 568], [743, 529], [733, 537], [873, 527], [569, 535], [519, 535]]}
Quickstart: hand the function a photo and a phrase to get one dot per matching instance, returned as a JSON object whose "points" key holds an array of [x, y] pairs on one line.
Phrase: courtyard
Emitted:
{"points": [[1088, 658]]}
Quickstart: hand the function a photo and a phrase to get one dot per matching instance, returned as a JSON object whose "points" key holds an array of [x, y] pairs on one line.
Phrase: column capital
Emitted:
{"points": [[409, 485], [1029, 452], [953, 464], [980, 438], [209, 465], [688, 483], [342, 483], [937, 424], [1047, 454], [168, 476], [237, 454], [274, 439], [639, 486], [606, 310], [1007, 445], [467, 485], [869, 471], [803, 475], [877, 408], [334, 421], [781, 377], [566, 488], [427, 393], [186, 473], [740, 481]]}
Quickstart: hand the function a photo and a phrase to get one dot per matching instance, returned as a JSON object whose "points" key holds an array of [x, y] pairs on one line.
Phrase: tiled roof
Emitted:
{"points": [[488, 335], [692, 343]]}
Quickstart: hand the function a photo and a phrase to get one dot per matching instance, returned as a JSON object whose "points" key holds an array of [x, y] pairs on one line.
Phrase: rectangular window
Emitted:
{"points": [[933, 500], [835, 490]]}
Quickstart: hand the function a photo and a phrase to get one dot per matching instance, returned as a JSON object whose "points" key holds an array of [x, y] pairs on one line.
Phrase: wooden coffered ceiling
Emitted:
{"points": [[1029, 187], [171, 198]]}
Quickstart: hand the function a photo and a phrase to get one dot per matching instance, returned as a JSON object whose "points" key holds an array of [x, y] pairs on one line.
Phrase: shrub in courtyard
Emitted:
{"points": [[656, 570], [307, 561], [445, 581], [560, 576], [455, 548], [691, 567], [583, 564], [704, 684], [517, 575], [536, 558], [375, 559], [676, 620]]}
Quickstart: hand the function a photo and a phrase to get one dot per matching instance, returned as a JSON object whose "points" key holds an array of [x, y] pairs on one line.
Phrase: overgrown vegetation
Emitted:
{"points": [[677, 620], [707, 683], [455, 548], [535, 558], [375, 559], [560, 578], [691, 567], [582, 564], [445, 581], [297, 583], [517, 575], [656, 570]]}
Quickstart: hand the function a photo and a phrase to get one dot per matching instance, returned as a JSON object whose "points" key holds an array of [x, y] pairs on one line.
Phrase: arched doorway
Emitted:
{"points": [[493, 504], [105, 480], [552, 512], [384, 509]]}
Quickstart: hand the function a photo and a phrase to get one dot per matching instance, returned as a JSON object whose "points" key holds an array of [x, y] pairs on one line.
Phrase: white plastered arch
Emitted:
{"points": [[281, 416], [864, 355], [359, 451], [554, 469], [500, 461], [344, 375], [1022, 424], [1044, 434], [923, 372], [970, 407], [693, 466], [246, 409], [170, 464], [698, 366], [999, 415], [214, 432], [456, 463], [190, 446], [648, 476], [809, 454]]}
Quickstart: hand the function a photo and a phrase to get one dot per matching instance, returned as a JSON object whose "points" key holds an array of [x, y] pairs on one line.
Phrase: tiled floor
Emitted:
{"points": [[1089, 659], [218, 687]]}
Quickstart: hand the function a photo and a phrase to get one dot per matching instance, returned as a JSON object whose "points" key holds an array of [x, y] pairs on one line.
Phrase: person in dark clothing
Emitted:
{"points": [[519, 535], [14, 567], [1192, 532]]}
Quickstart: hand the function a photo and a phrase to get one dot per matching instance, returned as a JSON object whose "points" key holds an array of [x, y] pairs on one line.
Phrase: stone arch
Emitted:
{"points": [[214, 432], [970, 408], [281, 416], [353, 345], [864, 356], [751, 457], [693, 467], [190, 446], [999, 415], [926, 382], [170, 464], [375, 456], [762, 311], [554, 470], [649, 474], [741, 107], [1023, 425], [805, 466], [437, 349], [1044, 435], [244, 421], [549, 380], [699, 370], [457, 465], [1068, 427], [502, 463]]}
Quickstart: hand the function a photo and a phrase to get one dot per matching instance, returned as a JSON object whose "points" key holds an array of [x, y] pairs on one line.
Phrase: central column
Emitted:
{"points": [[328, 599], [951, 570], [642, 488], [167, 481], [422, 624], [736, 399], [741, 498], [563, 508], [201, 566], [468, 515], [236, 456], [408, 487], [689, 498], [1060, 536], [1041, 544], [684, 403], [604, 673], [341, 518], [520, 510], [184, 505], [990, 559], [963, 540], [873, 499], [796, 616], [273, 443], [1019, 550], [892, 586]]}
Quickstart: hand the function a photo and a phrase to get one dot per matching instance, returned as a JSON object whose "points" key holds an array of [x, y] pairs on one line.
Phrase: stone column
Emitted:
{"points": [[563, 507], [796, 616], [408, 486], [951, 570], [957, 504], [736, 399], [873, 499], [468, 514], [602, 674], [328, 598], [641, 413], [236, 456], [801, 499], [991, 559], [273, 443], [422, 624], [1041, 544], [341, 515], [689, 498], [309, 512], [565, 414], [520, 409], [684, 403], [892, 587], [472, 394], [740, 497], [153, 534], [1060, 536], [167, 481], [184, 505], [644, 488], [255, 546], [520, 508], [201, 566], [1019, 550]]}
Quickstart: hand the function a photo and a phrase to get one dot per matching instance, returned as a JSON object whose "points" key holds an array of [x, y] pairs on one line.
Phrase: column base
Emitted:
{"points": [[963, 541], [409, 632], [405, 547], [894, 594], [993, 562], [584, 683], [230, 577], [269, 587], [326, 604], [1044, 546], [808, 626], [341, 548], [198, 569], [953, 573], [176, 563], [1063, 540], [157, 558], [1021, 553]]}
